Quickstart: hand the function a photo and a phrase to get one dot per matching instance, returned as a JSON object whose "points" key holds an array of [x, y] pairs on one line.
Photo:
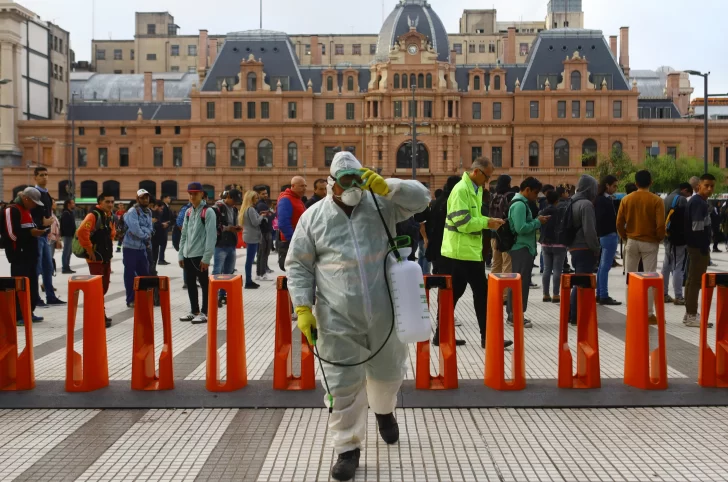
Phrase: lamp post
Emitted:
{"points": [[413, 112], [705, 114], [73, 145]]}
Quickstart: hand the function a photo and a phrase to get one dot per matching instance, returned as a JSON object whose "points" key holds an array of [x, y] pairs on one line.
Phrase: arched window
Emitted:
{"points": [[252, 82], [561, 153], [576, 80], [496, 83], [350, 83], [533, 154], [428, 81], [589, 153], [329, 83], [111, 188], [404, 156], [617, 147], [292, 154], [149, 186], [169, 188], [476, 82], [90, 189], [64, 189], [237, 153], [412, 81], [396, 81], [265, 153], [421, 81], [211, 155]]}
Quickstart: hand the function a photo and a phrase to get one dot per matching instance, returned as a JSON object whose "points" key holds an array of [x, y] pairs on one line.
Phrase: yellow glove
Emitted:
{"points": [[374, 182], [306, 321]]}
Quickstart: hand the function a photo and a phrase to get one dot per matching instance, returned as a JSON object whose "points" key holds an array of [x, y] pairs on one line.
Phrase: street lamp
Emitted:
{"points": [[73, 144], [705, 114], [414, 125]]}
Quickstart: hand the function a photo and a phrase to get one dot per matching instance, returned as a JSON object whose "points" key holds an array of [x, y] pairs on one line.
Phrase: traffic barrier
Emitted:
{"points": [[713, 366], [494, 351], [143, 371], [587, 333], [236, 373], [642, 368], [283, 378], [17, 371], [447, 377], [89, 371]]}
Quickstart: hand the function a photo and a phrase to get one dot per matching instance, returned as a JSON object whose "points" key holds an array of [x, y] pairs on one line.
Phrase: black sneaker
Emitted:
{"points": [[436, 340], [252, 286], [345, 466], [41, 304], [163, 263], [609, 301], [68, 271], [506, 343], [55, 302], [388, 428], [108, 321]]}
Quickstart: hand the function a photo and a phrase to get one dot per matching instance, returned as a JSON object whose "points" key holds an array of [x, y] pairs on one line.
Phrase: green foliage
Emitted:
{"points": [[618, 164]]}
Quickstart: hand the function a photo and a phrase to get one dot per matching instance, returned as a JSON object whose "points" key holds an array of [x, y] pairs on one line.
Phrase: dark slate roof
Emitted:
{"points": [[513, 72], [654, 104], [104, 111], [552, 47], [274, 48], [419, 13], [313, 72]]}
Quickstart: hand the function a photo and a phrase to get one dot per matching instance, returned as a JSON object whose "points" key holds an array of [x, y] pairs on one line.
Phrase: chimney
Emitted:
{"points": [[624, 49], [613, 45], [679, 97], [510, 47], [315, 50], [213, 51], [202, 51], [147, 86], [160, 90]]}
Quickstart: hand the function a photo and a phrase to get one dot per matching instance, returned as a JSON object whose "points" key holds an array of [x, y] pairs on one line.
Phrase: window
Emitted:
{"points": [[119, 71], [375, 109], [449, 109], [192, 50], [100, 54], [151, 29], [265, 153], [339, 49], [491, 48], [599, 79], [174, 68], [329, 111], [350, 111], [60, 45], [356, 49], [576, 80], [177, 130], [102, 131], [329, 83], [350, 83], [561, 153], [575, 109], [323, 49], [157, 130], [427, 109], [561, 109], [412, 108], [60, 72], [308, 49], [123, 157], [131, 54], [589, 153], [523, 50], [471, 48], [444, 155], [171, 29], [617, 109], [210, 154], [481, 48], [589, 109], [151, 57], [55, 71], [252, 82], [291, 110], [175, 51], [264, 110], [534, 109], [476, 82], [396, 81], [210, 110], [552, 79], [158, 156], [476, 110], [237, 153], [329, 153], [123, 131], [372, 49], [672, 151], [458, 48], [190, 70], [496, 156], [428, 81], [617, 147], [82, 157], [497, 111], [397, 108], [177, 156], [533, 154], [103, 157], [292, 154], [412, 80], [421, 81], [476, 152], [251, 110], [118, 54], [238, 110], [716, 156], [497, 83]]}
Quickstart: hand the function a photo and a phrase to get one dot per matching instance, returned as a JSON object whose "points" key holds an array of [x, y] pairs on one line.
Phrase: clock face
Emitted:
{"points": [[412, 49]]}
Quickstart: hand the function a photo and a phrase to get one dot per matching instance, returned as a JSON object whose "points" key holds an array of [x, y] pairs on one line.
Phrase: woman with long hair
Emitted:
{"points": [[250, 220]]}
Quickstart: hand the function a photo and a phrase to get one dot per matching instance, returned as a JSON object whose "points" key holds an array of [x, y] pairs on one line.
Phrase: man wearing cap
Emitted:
{"points": [[196, 248], [290, 209], [22, 243], [137, 241], [340, 244]]}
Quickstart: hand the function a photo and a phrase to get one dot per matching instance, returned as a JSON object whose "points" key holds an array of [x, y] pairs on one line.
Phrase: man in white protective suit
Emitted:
{"points": [[339, 246]]}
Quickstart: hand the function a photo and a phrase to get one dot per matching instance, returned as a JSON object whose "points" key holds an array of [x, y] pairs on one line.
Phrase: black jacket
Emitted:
{"points": [[265, 228], [68, 224], [606, 214], [225, 239], [314, 199], [21, 246], [549, 231], [44, 211]]}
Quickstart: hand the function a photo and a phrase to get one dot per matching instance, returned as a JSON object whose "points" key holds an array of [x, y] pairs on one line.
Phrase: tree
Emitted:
{"points": [[618, 164], [668, 172]]}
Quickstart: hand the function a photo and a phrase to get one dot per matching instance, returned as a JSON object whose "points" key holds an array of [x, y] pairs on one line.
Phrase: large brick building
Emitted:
{"points": [[257, 115]]}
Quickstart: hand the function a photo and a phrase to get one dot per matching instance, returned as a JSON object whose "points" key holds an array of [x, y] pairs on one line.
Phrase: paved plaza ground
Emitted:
{"points": [[539, 434]]}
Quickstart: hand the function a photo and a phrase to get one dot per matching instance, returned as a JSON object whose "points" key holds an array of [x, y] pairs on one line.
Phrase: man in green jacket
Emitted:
{"points": [[462, 242], [523, 252]]}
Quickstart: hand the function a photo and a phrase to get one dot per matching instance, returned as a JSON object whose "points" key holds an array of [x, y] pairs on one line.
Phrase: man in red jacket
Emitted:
{"points": [[290, 209]]}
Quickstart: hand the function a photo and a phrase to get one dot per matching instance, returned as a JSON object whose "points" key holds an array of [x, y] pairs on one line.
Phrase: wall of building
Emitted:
{"points": [[61, 64], [114, 56]]}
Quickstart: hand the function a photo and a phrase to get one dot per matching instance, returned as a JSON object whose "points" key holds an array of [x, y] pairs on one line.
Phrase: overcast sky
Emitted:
{"points": [[681, 34]]}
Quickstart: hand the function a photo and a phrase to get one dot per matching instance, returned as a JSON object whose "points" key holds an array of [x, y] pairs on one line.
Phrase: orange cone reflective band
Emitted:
{"points": [[642, 368], [237, 371], [587, 333], [494, 351], [89, 371], [447, 378], [283, 378], [713, 365], [143, 372], [17, 372]]}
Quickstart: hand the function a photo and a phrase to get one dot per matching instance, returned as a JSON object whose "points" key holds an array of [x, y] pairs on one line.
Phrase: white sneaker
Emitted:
{"points": [[692, 321], [263, 278], [187, 317], [199, 319], [527, 323]]}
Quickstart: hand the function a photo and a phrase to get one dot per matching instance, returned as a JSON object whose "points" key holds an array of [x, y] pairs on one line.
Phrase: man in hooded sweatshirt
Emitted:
{"points": [[585, 248]]}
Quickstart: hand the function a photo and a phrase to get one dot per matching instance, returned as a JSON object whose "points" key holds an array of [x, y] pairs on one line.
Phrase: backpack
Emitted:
{"points": [[566, 231], [675, 223], [499, 206], [505, 237], [76, 248]]}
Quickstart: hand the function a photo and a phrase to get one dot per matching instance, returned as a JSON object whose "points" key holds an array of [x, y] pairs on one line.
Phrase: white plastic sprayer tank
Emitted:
{"points": [[411, 313]]}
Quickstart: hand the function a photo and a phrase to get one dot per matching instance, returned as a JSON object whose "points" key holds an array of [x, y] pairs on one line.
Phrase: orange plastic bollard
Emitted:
{"points": [[283, 378], [143, 376], [448, 375], [587, 333], [642, 368], [237, 371], [494, 351], [89, 371], [713, 366], [17, 372]]}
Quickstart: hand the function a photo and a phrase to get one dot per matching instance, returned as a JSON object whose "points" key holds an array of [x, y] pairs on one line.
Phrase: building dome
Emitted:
{"points": [[417, 13]]}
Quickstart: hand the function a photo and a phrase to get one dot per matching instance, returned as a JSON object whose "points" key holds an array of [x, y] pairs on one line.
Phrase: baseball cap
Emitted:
{"points": [[194, 187], [142, 192], [33, 194]]}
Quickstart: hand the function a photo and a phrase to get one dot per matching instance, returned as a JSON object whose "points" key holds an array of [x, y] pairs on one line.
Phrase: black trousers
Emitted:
{"points": [[468, 273], [283, 253], [27, 268], [192, 274], [162, 247]]}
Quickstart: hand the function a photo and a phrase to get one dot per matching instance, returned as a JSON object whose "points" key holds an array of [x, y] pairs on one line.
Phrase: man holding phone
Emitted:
{"points": [[227, 235], [43, 218]]}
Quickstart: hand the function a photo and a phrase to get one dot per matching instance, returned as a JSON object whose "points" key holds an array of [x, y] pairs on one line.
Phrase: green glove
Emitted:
{"points": [[374, 182], [306, 321]]}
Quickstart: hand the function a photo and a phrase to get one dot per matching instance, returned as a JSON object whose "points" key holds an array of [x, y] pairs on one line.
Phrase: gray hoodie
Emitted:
{"points": [[583, 215]]}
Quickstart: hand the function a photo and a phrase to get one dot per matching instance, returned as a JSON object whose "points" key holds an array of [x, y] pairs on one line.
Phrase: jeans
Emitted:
{"points": [[195, 274], [224, 263], [553, 266], [135, 264], [45, 267], [609, 249], [421, 259], [466, 273], [263, 251], [697, 267], [249, 258], [583, 261], [522, 263], [674, 263], [66, 256]]}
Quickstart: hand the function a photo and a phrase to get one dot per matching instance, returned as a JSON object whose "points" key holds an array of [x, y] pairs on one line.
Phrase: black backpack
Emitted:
{"points": [[505, 237], [499, 206], [675, 223], [566, 232]]}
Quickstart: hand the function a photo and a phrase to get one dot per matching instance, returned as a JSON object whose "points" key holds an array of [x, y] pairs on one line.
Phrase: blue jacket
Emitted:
{"points": [[138, 228], [181, 215]]}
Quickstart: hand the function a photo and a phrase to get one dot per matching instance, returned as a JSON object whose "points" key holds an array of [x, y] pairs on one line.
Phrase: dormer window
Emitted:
{"points": [[252, 82], [576, 80], [329, 83]]}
